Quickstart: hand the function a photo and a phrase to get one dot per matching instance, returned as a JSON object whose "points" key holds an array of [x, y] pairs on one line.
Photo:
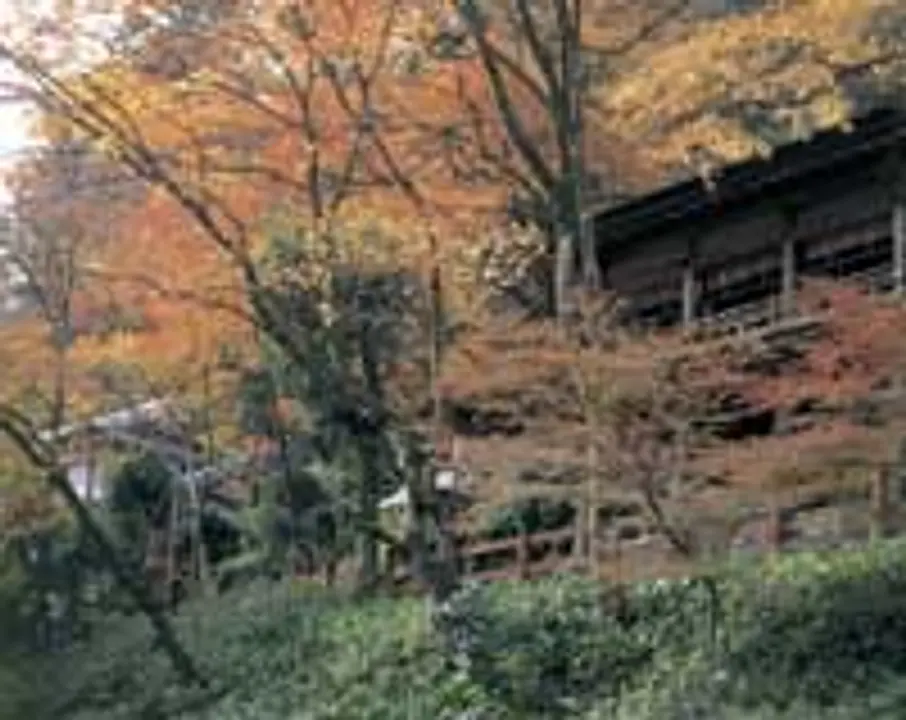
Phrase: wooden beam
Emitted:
{"points": [[899, 245], [880, 502], [690, 285], [690, 299], [788, 276], [789, 210]]}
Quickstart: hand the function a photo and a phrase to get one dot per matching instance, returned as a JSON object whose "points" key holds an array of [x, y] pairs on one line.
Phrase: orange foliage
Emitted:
{"points": [[857, 350], [782, 412], [242, 111]]}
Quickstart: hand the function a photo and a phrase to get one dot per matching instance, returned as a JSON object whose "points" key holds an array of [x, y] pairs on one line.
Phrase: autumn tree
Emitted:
{"points": [[543, 97], [46, 247], [706, 445], [597, 98], [49, 246], [814, 406], [315, 89], [775, 417], [368, 364], [344, 110]]}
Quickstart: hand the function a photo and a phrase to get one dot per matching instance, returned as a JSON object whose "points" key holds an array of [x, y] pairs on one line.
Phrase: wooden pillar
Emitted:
{"points": [[899, 244], [788, 276], [880, 502], [690, 290], [522, 555], [774, 530], [618, 570], [690, 299]]}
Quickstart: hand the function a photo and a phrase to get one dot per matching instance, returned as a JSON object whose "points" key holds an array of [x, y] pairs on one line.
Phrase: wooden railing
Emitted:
{"points": [[878, 513]]}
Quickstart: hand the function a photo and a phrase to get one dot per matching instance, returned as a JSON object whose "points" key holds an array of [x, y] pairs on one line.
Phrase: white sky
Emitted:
{"points": [[13, 122], [13, 137], [13, 134]]}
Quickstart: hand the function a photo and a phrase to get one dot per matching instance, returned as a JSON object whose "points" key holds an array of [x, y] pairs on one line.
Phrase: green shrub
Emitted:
{"points": [[812, 636], [540, 649], [815, 626]]}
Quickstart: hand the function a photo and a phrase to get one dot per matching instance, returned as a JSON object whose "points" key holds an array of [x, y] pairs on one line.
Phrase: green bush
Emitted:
{"points": [[817, 625], [533, 515], [544, 649], [812, 636]]}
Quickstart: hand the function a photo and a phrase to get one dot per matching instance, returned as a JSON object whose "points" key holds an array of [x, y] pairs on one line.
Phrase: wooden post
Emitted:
{"points": [[899, 245], [467, 559], [774, 528], [896, 474], [880, 502], [689, 295], [788, 276], [522, 555], [564, 273], [839, 523]]}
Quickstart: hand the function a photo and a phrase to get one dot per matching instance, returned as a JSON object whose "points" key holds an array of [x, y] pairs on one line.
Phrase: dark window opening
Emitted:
{"points": [[660, 314], [658, 305], [872, 260], [753, 290]]}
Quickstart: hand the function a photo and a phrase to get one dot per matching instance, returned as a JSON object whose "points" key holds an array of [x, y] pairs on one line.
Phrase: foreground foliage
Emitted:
{"points": [[800, 637]]}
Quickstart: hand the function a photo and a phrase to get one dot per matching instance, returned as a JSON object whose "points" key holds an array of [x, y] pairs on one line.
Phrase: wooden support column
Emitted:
{"points": [[892, 177], [690, 290], [899, 244], [788, 276], [690, 295], [789, 213], [522, 555], [774, 527], [880, 502]]}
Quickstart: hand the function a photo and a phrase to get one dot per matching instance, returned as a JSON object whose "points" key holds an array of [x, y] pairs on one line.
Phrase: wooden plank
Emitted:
{"points": [[551, 537], [490, 547], [535, 540], [845, 237]]}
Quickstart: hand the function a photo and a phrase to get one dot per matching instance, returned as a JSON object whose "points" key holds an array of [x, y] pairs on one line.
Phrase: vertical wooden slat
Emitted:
{"points": [[522, 555], [774, 529], [899, 245], [788, 276], [880, 502], [689, 295]]}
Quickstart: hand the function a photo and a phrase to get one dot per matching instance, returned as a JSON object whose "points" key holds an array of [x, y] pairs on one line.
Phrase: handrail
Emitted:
{"points": [[624, 559]]}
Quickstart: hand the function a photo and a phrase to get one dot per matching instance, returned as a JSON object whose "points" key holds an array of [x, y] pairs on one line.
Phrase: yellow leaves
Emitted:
{"points": [[188, 124], [25, 356], [738, 85]]}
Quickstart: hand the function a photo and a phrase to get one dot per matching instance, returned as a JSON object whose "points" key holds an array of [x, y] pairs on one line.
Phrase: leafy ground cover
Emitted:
{"points": [[806, 636]]}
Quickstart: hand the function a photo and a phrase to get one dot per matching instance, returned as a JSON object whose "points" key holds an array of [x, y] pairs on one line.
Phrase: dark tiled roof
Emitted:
{"points": [[830, 151]]}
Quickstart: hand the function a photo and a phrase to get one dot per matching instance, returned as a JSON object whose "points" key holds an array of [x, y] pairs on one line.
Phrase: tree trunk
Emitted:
{"points": [[172, 543], [370, 459], [371, 449], [437, 572], [134, 584]]}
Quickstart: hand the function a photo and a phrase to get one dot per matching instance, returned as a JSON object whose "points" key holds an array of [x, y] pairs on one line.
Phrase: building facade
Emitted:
{"points": [[832, 207]]}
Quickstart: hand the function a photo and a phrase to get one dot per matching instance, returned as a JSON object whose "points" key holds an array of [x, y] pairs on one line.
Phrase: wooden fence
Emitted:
{"points": [[843, 518]]}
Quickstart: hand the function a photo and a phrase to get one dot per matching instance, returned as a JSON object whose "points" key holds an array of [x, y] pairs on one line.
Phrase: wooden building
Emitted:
{"points": [[834, 206]]}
